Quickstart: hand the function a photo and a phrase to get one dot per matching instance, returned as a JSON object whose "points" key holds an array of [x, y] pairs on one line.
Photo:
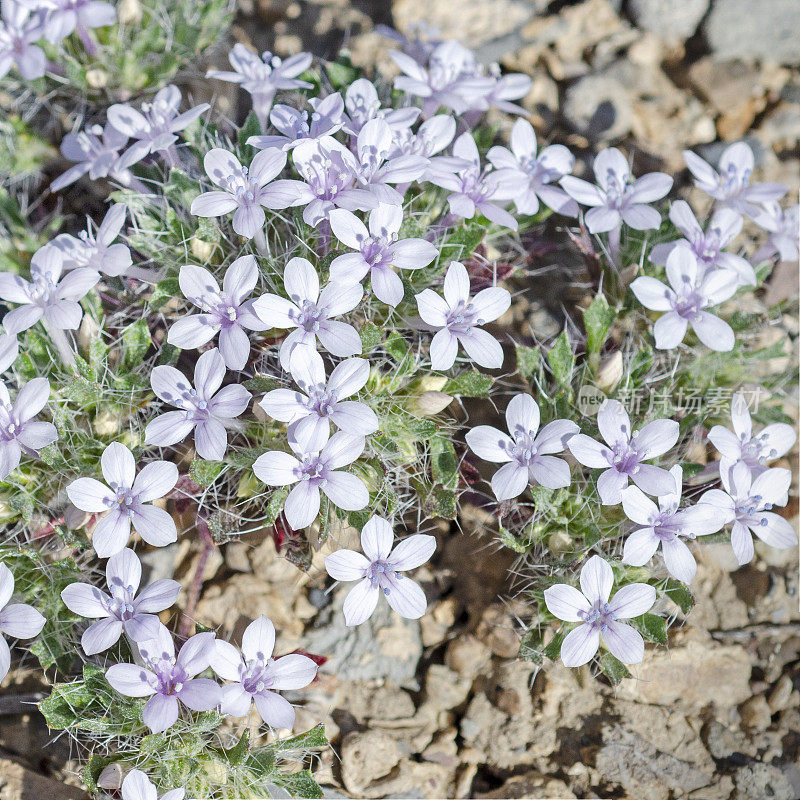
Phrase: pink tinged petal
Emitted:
{"points": [[21, 621], [461, 205], [85, 600], [432, 308], [669, 331], [387, 286], [191, 332], [284, 405], [154, 525], [293, 671], [377, 538], [90, 495], [701, 520], [197, 283], [302, 505], [240, 278], [157, 596], [522, 415], [211, 440], [213, 204], [142, 627], [248, 220], [482, 348], [719, 285], [276, 711], [258, 639], [234, 701], [220, 164], [168, 429], [349, 268], [266, 165], [443, 349], [653, 480], [111, 534], [155, 480], [640, 547], [412, 551], [778, 532], [624, 642], [310, 433], [22, 318], [101, 635], [510, 481], [613, 422], [338, 299], [679, 560], [209, 372], [551, 472], [589, 452], [36, 435], [346, 491], [229, 402], [168, 384], [276, 468], [339, 338], [580, 645], [657, 437], [413, 253], [31, 398], [489, 443], [160, 713], [200, 694], [360, 603], [713, 332], [638, 507], [130, 680], [407, 598], [632, 600], [653, 294], [196, 652], [342, 449], [225, 660], [349, 376], [596, 579], [346, 565], [456, 284], [742, 543], [565, 602], [681, 268]]}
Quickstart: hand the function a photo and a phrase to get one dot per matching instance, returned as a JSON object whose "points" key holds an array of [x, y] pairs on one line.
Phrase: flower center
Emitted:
{"points": [[462, 318], [599, 615], [382, 575]]}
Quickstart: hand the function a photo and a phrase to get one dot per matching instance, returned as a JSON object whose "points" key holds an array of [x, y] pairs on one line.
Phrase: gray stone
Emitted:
{"points": [[766, 30], [599, 107], [759, 781], [670, 20]]}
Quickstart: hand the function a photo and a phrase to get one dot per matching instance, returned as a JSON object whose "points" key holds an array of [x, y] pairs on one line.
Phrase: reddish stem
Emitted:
{"points": [[197, 581]]}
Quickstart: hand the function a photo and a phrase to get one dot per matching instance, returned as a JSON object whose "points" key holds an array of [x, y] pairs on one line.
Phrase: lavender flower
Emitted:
{"points": [[9, 350], [782, 226], [311, 312], [685, 300], [245, 190], [747, 502], [330, 172], [257, 677], [378, 570], [665, 525], [262, 77], [312, 469], [137, 786], [457, 317], [707, 246], [47, 296], [167, 680], [527, 454], [625, 453], [431, 138], [96, 151], [97, 251], [531, 175], [295, 127], [740, 445], [65, 16], [154, 127], [127, 499], [615, 199], [379, 251], [19, 431], [362, 104], [227, 312], [17, 620], [599, 615], [473, 190], [731, 186], [121, 610], [318, 403], [18, 32]]}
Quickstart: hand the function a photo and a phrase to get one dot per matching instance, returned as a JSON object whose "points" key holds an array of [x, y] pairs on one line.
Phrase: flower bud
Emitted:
{"points": [[96, 78], [430, 403], [610, 372], [201, 249], [129, 11], [111, 777]]}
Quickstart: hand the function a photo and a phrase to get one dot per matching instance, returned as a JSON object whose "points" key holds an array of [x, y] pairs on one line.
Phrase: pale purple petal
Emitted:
{"points": [[88, 494], [580, 645], [632, 600], [275, 710], [101, 635], [412, 551], [679, 560], [293, 671], [154, 525], [624, 642], [510, 481], [346, 565], [566, 602], [489, 443]]}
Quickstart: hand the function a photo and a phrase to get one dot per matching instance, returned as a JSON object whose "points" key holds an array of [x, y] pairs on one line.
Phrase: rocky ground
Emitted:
{"points": [[442, 707]]}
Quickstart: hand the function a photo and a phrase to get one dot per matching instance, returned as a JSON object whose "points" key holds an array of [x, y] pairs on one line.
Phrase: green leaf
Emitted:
{"points": [[261, 383], [530, 648], [304, 741], [528, 360], [680, 594], [652, 627], [469, 384], [691, 468], [236, 754], [275, 504], [463, 241], [561, 360], [164, 291], [597, 320], [552, 649], [136, 341], [371, 336], [205, 472], [444, 462], [613, 668], [440, 502]]}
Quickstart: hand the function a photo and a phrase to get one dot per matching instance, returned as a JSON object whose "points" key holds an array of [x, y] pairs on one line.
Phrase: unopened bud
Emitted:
{"points": [[610, 372], [129, 11], [88, 332], [97, 78], [201, 249], [560, 542], [111, 777], [430, 403]]}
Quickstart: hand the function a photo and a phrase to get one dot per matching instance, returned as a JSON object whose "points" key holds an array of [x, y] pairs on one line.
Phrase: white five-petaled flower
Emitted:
{"points": [[530, 175], [96, 152], [18, 33], [664, 524], [127, 498], [740, 445], [313, 469], [295, 126], [17, 620], [599, 614], [121, 610], [318, 402], [527, 451], [429, 139], [65, 16], [458, 318], [747, 501], [226, 312], [19, 431], [730, 186], [615, 199], [263, 76], [204, 408], [154, 127], [624, 452], [378, 571], [379, 251], [246, 191], [137, 786], [782, 226], [258, 677], [362, 104], [685, 300], [311, 312]]}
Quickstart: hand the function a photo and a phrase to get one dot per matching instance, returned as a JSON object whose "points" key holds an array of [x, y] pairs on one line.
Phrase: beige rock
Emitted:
{"points": [[367, 756], [756, 713], [19, 783], [531, 784], [467, 656]]}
